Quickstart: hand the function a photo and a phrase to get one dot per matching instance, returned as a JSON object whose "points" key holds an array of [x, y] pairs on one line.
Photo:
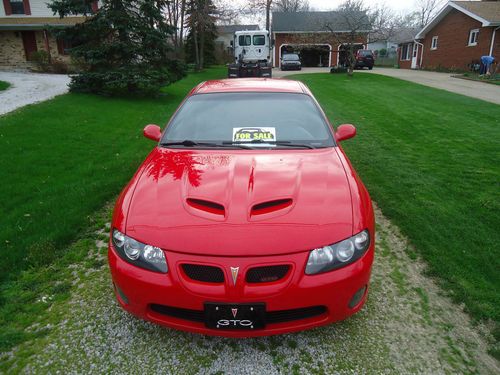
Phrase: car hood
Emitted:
{"points": [[241, 202]]}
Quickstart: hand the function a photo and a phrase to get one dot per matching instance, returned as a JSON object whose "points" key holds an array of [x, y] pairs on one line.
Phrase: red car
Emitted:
{"points": [[246, 219]]}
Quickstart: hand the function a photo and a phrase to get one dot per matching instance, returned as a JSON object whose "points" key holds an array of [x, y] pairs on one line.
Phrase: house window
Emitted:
{"points": [[434, 42], [473, 35], [63, 46], [17, 6], [405, 52]]}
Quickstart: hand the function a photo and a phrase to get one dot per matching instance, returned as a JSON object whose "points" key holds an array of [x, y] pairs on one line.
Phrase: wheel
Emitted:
{"points": [[370, 67]]}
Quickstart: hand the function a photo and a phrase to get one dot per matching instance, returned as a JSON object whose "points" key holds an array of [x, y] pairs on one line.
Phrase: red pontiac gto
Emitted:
{"points": [[246, 219]]}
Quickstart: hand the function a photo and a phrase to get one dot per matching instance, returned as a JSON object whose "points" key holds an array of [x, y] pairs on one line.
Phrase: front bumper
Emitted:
{"points": [[140, 292]]}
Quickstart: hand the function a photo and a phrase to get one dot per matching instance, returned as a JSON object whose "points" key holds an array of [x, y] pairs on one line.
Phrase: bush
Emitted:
{"points": [[139, 80], [41, 60]]}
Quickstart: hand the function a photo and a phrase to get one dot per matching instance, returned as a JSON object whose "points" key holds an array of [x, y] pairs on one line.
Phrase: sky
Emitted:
{"points": [[397, 5]]}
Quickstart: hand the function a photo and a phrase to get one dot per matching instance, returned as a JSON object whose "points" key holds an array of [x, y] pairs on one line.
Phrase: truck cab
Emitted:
{"points": [[252, 54]]}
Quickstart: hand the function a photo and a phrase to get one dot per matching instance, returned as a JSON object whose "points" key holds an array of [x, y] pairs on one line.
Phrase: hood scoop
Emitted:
{"points": [[270, 206], [206, 206]]}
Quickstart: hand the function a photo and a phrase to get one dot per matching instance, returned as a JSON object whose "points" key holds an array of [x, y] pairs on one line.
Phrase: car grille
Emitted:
{"points": [[267, 274], [207, 274], [271, 317]]}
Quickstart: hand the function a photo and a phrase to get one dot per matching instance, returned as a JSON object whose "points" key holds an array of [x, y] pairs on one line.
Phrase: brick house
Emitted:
{"points": [[319, 37], [455, 38], [25, 28]]}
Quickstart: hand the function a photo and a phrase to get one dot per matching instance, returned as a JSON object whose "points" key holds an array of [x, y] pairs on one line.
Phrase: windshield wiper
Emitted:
{"points": [[190, 143], [277, 143]]}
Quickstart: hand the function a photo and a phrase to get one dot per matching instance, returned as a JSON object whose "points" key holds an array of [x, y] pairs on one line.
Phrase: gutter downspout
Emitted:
{"points": [[421, 54], [493, 40]]}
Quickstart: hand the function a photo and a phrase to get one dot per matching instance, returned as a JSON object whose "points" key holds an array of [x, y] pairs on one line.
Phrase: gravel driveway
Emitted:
{"points": [[407, 326], [29, 88]]}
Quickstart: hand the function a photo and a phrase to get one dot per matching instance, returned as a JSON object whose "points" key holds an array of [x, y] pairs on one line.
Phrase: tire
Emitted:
{"points": [[370, 67]]}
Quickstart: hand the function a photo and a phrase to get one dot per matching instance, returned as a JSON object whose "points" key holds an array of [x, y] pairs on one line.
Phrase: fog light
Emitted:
{"points": [[356, 298]]}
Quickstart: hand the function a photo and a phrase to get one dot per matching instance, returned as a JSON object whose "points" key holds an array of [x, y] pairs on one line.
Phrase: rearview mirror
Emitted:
{"points": [[153, 132], [345, 131]]}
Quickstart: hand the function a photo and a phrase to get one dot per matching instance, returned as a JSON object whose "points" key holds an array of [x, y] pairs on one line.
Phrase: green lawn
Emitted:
{"points": [[60, 162], [431, 160], [4, 85]]}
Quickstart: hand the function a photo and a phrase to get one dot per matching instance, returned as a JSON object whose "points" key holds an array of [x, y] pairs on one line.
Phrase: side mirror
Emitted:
{"points": [[345, 131], [231, 43], [152, 132]]}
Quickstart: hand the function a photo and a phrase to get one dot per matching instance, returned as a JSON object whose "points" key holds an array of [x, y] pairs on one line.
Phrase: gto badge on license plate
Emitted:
{"points": [[235, 316]]}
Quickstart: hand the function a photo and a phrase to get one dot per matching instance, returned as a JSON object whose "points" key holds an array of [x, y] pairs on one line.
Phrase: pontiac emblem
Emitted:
{"points": [[234, 273], [234, 311]]}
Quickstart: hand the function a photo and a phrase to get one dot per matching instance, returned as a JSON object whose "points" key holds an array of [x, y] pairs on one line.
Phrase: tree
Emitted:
{"points": [[426, 10], [357, 21], [123, 47], [175, 13], [202, 32], [291, 5], [263, 5]]}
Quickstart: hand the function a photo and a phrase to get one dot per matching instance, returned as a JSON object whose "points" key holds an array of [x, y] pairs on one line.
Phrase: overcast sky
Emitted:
{"points": [[397, 5]]}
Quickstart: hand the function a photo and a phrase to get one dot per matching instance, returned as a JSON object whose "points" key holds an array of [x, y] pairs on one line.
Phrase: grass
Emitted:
{"points": [[60, 162], [430, 160], [4, 85]]}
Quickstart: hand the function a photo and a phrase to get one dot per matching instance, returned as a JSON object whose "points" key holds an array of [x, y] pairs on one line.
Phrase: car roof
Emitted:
{"points": [[250, 85]]}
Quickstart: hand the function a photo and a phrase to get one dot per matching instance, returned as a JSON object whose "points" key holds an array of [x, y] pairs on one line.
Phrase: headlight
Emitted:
{"points": [[339, 254], [139, 254]]}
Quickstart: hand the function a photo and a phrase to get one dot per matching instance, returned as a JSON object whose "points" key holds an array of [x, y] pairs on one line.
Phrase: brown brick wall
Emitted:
{"points": [[12, 53], [316, 38], [452, 50]]}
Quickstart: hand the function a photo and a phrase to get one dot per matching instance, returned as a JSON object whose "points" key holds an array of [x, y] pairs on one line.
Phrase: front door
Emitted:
{"points": [[29, 43], [414, 57]]}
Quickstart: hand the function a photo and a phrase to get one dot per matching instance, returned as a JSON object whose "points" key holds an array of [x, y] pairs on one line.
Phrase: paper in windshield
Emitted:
{"points": [[255, 133]]}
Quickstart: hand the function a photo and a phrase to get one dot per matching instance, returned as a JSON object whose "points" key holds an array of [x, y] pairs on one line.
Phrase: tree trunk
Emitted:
{"points": [[352, 60], [181, 31], [268, 13], [196, 50], [202, 46]]}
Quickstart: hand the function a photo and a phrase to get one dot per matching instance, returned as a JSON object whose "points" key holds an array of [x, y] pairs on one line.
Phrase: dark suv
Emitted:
{"points": [[364, 58], [290, 61]]}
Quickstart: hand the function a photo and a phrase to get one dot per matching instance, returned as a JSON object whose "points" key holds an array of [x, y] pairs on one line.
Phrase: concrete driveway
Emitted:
{"points": [[444, 81], [29, 88]]}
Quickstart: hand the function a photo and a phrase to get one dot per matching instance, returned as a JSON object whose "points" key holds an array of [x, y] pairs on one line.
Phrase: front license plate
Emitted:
{"points": [[234, 316]]}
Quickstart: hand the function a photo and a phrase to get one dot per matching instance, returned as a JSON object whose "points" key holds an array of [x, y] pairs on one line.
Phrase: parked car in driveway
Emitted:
{"points": [[290, 61], [364, 58], [244, 225]]}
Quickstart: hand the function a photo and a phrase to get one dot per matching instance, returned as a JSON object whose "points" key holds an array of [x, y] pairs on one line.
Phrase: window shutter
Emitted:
{"points": [[27, 8], [6, 6], [95, 6]]}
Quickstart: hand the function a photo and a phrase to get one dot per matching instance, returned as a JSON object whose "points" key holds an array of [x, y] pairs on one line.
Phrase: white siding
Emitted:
{"points": [[39, 8]]}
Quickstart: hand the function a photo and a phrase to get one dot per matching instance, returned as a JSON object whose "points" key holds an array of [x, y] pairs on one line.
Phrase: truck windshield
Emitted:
{"points": [[259, 40], [235, 118], [244, 40], [291, 57]]}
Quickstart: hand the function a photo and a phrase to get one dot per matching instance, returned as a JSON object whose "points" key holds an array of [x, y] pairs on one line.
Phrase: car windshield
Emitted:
{"points": [[291, 56], [365, 53], [251, 119]]}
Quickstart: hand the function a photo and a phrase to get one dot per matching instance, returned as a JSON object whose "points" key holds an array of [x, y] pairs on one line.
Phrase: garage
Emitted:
{"points": [[311, 55], [317, 37]]}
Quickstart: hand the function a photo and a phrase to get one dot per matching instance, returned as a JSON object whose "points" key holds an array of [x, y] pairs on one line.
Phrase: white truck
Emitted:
{"points": [[252, 54]]}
